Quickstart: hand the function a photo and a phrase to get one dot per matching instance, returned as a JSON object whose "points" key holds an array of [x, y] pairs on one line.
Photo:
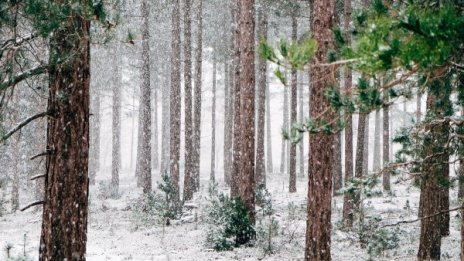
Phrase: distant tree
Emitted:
{"points": [[116, 125]]}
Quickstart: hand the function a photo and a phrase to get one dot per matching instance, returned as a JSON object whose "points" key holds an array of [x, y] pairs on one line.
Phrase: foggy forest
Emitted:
{"points": [[199, 130]]}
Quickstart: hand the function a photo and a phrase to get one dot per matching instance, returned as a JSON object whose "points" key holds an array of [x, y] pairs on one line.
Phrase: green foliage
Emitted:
{"points": [[156, 208], [230, 223]]}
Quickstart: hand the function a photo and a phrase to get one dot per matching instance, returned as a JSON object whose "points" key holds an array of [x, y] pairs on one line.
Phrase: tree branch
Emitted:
{"points": [[23, 76], [22, 124], [40, 202], [39, 176], [426, 217]]}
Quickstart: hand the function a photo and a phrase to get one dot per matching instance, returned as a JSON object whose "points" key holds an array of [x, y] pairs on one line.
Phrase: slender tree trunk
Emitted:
{"points": [[95, 136], [359, 162], [419, 107], [293, 102], [386, 146], [145, 103], [155, 147], [262, 70], [318, 225], [270, 166], [348, 79], [138, 154], [116, 127], [284, 147], [165, 131], [234, 191], [301, 119], [65, 210], [175, 105], [247, 105], [189, 183], [212, 177], [365, 160], [227, 124], [15, 168], [377, 141], [197, 97]]}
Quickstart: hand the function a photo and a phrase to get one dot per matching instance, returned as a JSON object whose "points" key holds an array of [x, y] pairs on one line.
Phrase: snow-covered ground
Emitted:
{"points": [[115, 234]]}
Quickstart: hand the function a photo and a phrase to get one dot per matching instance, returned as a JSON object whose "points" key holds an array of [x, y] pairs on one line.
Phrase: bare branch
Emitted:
{"points": [[40, 69], [22, 124], [40, 202], [39, 176], [426, 217], [45, 153]]}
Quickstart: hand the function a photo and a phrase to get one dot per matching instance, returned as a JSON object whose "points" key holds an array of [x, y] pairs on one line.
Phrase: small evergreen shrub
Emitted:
{"points": [[376, 238], [107, 191], [159, 208], [230, 223]]}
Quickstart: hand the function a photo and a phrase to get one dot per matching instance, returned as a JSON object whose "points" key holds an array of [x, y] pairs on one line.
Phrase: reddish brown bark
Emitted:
{"points": [[65, 211], [234, 190], [318, 223]]}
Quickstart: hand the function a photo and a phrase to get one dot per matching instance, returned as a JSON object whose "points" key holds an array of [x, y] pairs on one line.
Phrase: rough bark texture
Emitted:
{"points": [[269, 161], [212, 176], [284, 145], [318, 228], [197, 98], [247, 108], [65, 211], [434, 195], [293, 106], [234, 190], [365, 159], [300, 119], [189, 185], [227, 152], [261, 92], [348, 79], [175, 96], [116, 127], [360, 156]]}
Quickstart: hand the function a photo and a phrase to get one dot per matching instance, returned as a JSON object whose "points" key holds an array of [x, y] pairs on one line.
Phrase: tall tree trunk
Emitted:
{"points": [[269, 161], [318, 225], [386, 146], [434, 195], [116, 126], [234, 191], [348, 80], [155, 135], [197, 98], [227, 124], [65, 210], [247, 105], [377, 141], [95, 136], [262, 70], [165, 131], [175, 104], [301, 119], [293, 102], [145, 103], [212, 177], [359, 170], [15, 149], [188, 169], [285, 125], [365, 160], [419, 107], [138, 157]]}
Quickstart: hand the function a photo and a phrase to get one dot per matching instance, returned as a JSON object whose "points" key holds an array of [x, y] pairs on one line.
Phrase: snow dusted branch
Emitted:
{"points": [[22, 124], [23, 76], [39, 176], [40, 202], [426, 217], [15, 42]]}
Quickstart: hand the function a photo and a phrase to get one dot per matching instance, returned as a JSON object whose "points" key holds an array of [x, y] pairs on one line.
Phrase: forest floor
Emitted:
{"points": [[115, 234]]}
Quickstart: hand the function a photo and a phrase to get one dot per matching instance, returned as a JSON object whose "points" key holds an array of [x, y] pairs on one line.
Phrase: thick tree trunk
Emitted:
{"points": [[434, 195], [116, 127], [261, 92], [65, 211], [175, 103], [189, 183], [293, 102], [197, 98], [359, 168], [234, 188], [318, 225], [247, 105], [145, 103], [348, 79], [212, 176]]}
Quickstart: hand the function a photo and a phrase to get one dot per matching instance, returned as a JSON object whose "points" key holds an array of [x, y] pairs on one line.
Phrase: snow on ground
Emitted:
{"points": [[114, 234]]}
